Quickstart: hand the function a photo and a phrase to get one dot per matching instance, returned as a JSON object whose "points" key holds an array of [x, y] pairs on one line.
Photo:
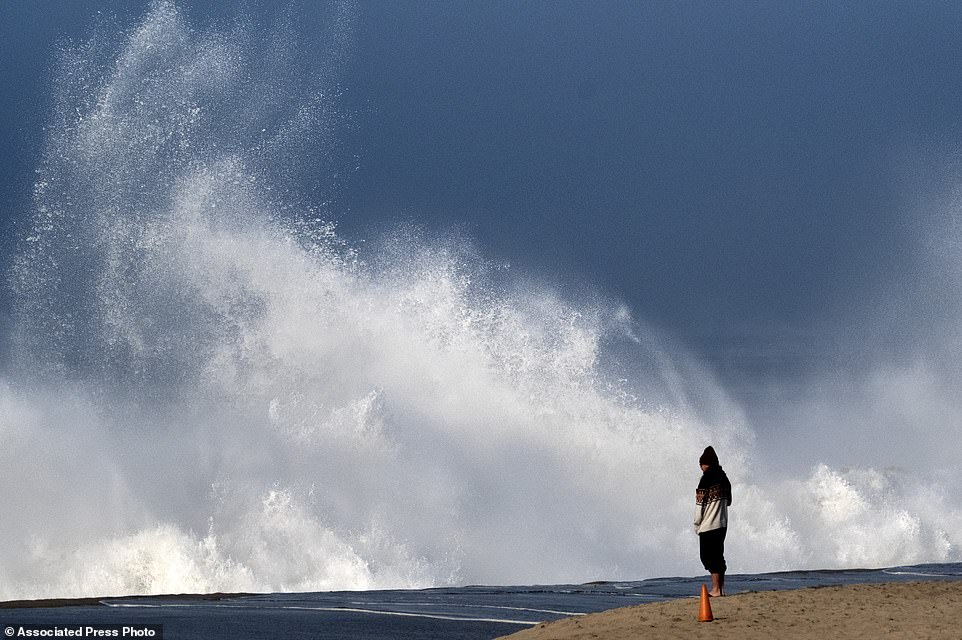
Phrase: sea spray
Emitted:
{"points": [[215, 392]]}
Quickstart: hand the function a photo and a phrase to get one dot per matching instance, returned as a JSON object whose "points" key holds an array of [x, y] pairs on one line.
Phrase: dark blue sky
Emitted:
{"points": [[743, 175]]}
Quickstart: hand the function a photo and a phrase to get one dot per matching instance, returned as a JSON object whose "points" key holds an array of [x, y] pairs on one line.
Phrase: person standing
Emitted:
{"points": [[712, 499]]}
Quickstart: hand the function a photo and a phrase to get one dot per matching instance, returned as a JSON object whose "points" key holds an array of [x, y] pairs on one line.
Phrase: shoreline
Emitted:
{"points": [[57, 603], [926, 609], [914, 607]]}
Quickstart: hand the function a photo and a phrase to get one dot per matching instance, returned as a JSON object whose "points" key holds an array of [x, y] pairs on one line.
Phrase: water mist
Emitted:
{"points": [[213, 391]]}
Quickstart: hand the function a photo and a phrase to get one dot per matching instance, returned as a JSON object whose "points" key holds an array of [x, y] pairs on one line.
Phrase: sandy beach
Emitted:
{"points": [[897, 610]]}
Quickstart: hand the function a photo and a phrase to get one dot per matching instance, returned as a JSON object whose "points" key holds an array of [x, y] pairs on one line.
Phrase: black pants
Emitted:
{"points": [[711, 544]]}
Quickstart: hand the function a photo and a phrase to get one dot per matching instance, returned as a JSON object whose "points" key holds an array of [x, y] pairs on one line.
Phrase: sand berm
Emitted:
{"points": [[889, 610]]}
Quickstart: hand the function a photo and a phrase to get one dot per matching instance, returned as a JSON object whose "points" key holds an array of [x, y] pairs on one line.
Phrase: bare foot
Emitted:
{"points": [[715, 594]]}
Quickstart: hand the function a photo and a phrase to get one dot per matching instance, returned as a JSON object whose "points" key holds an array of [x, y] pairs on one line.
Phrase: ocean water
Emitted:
{"points": [[213, 390], [471, 612]]}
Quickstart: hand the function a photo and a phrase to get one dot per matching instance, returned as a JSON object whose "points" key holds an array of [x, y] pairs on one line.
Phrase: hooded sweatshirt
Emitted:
{"points": [[712, 499]]}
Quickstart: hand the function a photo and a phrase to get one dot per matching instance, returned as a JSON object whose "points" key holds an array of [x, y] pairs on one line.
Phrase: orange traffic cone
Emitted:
{"points": [[704, 611]]}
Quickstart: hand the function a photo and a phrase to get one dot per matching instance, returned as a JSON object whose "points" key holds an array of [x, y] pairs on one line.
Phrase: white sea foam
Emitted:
{"points": [[214, 392]]}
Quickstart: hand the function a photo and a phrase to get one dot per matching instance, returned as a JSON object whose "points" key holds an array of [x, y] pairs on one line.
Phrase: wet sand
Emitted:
{"points": [[897, 610]]}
